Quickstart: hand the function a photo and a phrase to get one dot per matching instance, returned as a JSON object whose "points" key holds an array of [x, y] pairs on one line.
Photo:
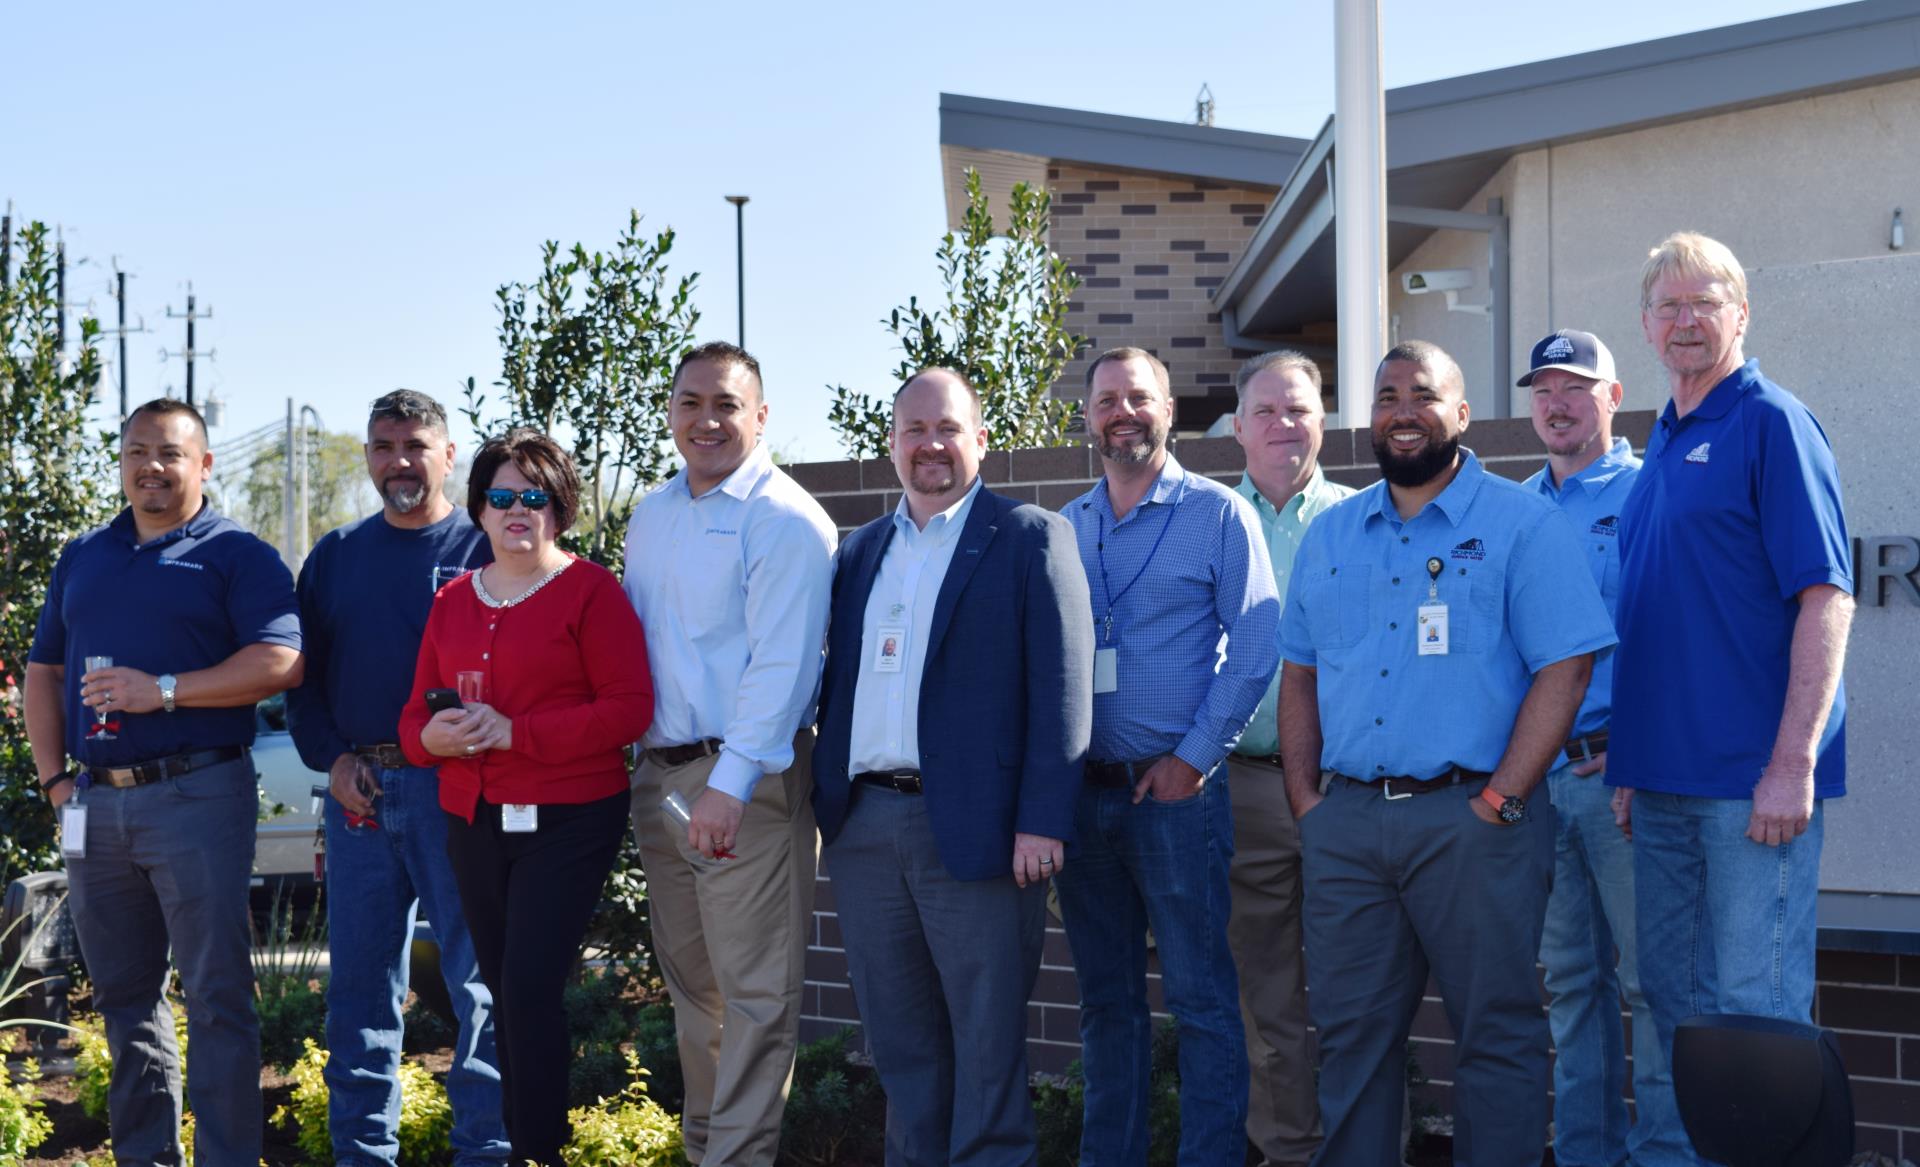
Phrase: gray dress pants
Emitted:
{"points": [[167, 866]]}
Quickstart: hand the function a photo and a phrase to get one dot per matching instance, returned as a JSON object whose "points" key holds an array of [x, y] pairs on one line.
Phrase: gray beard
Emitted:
{"points": [[407, 499]]}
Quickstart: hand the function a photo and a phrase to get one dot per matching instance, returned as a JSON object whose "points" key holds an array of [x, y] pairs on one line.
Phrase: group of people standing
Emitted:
{"points": [[1281, 735]]}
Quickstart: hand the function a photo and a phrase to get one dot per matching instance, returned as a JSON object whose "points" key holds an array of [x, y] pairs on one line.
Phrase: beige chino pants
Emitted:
{"points": [[731, 938], [1283, 1114]]}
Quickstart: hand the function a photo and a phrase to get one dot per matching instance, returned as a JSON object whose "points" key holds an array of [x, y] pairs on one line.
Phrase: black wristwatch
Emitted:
{"points": [[1510, 809]]}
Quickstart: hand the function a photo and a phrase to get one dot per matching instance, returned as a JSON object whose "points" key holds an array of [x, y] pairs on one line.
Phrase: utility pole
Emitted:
{"points": [[1359, 203], [740, 257], [190, 315], [286, 489], [60, 297], [120, 297], [6, 248], [306, 496]]}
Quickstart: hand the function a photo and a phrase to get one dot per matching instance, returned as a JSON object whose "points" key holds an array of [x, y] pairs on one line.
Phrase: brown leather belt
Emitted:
{"points": [[386, 755], [681, 755], [903, 781], [1582, 749], [1401, 786], [161, 769], [1114, 775]]}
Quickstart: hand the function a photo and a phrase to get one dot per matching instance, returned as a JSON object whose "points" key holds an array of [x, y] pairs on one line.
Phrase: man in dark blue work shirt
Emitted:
{"points": [[197, 620], [365, 592], [1729, 719]]}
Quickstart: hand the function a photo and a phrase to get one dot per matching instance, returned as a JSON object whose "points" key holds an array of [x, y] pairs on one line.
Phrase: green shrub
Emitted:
{"points": [[426, 1117], [603, 1013], [1058, 1107], [629, 1129], [656, 1044], [24, 1124], [93, 1064], [290, 1012], [426, 1029], [289, 994], [835, 1110]]}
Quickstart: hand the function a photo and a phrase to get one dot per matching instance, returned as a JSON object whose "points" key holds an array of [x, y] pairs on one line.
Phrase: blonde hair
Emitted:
{"points": [[1692, 253]]}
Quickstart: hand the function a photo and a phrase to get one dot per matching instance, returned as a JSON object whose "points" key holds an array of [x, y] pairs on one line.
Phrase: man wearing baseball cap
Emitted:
{"points": [[1588, 475]]}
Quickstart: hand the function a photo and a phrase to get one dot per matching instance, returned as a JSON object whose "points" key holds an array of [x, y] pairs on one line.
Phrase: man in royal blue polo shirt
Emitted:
{"points": [[1588, 475], [199, 620], [1729, 718], [1175, 563], [365, 591], [1438, 634]]}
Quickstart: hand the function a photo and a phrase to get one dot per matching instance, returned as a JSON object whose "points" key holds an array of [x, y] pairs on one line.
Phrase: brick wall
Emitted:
{"points": [[1871, 999], [1150, 250]]}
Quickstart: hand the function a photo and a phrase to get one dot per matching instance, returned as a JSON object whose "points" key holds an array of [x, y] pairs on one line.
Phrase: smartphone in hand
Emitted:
{"points": [[439, 700]]}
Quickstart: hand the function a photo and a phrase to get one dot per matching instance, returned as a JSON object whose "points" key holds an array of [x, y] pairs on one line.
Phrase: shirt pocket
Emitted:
{"points": [[1485, 615], [1338, 604]]}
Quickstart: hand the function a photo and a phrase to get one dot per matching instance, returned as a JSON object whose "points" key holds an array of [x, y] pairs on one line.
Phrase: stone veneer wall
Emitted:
{"points": [[1871, 999], [1150, 250]]}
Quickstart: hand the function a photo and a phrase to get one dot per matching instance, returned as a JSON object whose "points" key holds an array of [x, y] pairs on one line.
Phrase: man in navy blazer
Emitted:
{"points": [[954, 717]]}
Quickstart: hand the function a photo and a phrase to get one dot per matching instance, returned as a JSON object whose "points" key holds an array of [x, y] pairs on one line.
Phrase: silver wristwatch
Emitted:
{"points": [[167, 682]]}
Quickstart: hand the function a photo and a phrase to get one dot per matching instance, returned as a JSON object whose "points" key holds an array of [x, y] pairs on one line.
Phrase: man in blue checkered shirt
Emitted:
{"points": [[1176, 564]]}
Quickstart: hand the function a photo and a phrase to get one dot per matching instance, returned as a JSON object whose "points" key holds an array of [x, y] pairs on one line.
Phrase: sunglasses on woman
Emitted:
{"points": [[533, 499]]}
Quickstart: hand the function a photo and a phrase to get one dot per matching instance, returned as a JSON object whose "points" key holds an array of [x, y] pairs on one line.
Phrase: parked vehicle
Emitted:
{"points": [[284, 850]]}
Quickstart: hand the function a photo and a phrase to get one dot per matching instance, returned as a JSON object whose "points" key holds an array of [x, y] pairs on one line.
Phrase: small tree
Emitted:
{"points": [[587, 355], [1004, 325], [338, 490], [56, 481]]}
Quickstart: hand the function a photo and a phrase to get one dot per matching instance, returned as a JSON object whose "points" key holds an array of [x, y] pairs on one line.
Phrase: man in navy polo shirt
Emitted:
{"points": [[199, 619], [1438, 634], [365, 591], [1729, 716], [1588, 475]]}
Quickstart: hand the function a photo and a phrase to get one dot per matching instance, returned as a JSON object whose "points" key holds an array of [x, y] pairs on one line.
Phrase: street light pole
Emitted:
{"points": [[740, 257]]}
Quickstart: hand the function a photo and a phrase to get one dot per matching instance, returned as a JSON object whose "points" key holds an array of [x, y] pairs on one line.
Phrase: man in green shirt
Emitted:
{"points": [[1280, 423]]}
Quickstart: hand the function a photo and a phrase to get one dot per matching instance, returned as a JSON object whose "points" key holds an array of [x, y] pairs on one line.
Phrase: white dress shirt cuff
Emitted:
{"points": [[734, 774]]}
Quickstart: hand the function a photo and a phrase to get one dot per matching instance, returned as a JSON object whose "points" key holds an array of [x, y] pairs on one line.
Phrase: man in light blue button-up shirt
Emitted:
{"points": [[1588, 475], [1175, 563], [729, 565], [1438, 635]]}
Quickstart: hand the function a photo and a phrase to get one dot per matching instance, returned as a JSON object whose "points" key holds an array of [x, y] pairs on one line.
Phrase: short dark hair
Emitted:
{"points": [[1130, 353], [407, 405], [538, 457], [161, 407], [973, 395], [1424, 352], [722, 353]]}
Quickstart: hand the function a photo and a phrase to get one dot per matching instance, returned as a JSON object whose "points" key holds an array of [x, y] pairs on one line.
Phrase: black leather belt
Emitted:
{"points": [[1401, 786], [904, 781], [1114, 775], [681, 755], [160, 769], [1582, 749], [384, 754]]}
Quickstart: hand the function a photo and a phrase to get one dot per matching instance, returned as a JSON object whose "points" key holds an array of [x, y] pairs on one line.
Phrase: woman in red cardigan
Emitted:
{"points": [[532, 774]]}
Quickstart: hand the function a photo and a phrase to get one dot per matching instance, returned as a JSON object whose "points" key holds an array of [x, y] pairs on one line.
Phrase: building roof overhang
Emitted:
{"points": [[1445, 139]]}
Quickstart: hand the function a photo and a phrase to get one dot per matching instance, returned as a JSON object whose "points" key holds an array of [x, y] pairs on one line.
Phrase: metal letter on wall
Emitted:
{"points": [[1882, 559]]}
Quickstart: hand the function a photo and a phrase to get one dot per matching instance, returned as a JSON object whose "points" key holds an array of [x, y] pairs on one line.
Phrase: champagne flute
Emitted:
{"points": [[100, 731]]}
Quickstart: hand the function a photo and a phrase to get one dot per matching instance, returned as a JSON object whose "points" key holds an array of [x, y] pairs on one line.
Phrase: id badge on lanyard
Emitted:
{"points": [[1430, 630]]}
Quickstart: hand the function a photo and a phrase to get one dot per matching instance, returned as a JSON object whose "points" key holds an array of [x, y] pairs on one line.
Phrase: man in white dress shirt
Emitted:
{"points": [[729, 565]]}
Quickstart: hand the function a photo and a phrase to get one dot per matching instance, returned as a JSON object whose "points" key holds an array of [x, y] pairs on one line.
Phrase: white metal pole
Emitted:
{"points": [[286, 491], [1359, 202]]}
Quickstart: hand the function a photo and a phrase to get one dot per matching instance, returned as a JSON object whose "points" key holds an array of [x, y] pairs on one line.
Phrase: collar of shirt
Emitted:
{"points": [[1451, 502], [200, 524], [1168, 488], [1719, 400], [1316, 496], [941, 528], [1602, 470], [749, 474]]}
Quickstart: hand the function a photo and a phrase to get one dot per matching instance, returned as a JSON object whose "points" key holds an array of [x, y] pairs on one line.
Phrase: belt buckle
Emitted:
{"points": [[1386, 787]]}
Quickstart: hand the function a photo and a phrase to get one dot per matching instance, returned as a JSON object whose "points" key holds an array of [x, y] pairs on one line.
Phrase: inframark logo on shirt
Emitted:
{"points": [[1699, 453]]}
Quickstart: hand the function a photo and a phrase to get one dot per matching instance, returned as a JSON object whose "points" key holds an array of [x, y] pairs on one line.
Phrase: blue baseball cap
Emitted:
{"points": [[1572, 350]]}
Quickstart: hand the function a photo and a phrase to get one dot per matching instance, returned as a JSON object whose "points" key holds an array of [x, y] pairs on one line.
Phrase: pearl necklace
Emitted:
{"points": [[480, 589]]}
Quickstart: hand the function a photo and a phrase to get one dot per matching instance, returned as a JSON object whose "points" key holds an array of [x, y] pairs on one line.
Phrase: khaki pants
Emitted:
{"points": [[731, 939], [1283, 1118]]}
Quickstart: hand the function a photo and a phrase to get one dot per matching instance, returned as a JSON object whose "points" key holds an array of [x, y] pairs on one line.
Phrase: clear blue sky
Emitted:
{"points": [[347, 184]]}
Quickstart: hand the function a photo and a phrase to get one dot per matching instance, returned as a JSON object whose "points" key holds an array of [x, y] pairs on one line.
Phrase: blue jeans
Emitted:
{"points": [[1732, 921], [1159, 865], [1590, 913], [378, 879]]}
